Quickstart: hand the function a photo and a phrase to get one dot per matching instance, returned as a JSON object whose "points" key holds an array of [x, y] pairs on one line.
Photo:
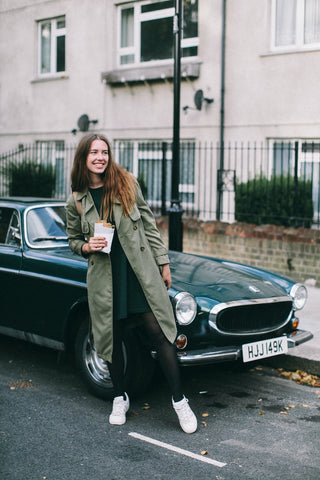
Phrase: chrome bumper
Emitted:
{"points": [[226, 354]]}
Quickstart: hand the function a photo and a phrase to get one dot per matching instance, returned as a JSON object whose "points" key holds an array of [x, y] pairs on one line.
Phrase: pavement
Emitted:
{"points": [[306, 356]]}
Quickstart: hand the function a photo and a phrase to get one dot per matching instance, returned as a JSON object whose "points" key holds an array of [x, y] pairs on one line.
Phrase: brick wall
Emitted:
{"points": [[294, 253]]}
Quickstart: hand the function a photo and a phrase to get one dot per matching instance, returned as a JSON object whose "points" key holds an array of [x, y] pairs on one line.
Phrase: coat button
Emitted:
{"points": [[135, 227], [142, 249]]}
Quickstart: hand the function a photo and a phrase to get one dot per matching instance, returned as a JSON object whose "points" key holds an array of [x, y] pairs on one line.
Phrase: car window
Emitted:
{"points": [[9, 226], [46, 226]]}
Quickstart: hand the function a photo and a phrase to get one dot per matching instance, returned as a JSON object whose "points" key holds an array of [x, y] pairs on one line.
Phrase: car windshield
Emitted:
{"points": [[46, 227]]}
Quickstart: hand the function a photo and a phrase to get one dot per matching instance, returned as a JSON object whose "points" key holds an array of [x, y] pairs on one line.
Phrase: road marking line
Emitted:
{"points": [[177, 449]]}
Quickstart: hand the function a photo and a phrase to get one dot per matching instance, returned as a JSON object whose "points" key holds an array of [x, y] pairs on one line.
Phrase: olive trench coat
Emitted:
{"points": [[145, 251]]}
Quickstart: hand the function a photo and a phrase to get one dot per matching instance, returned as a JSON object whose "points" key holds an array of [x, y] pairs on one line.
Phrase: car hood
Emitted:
{"points": [[223, 282]]}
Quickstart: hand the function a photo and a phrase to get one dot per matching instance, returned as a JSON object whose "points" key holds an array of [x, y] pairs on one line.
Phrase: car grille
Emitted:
{"points": [[250, 317]]}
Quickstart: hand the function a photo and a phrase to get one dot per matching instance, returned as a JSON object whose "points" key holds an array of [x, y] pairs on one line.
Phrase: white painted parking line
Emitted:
{"points": [[177, 449]]}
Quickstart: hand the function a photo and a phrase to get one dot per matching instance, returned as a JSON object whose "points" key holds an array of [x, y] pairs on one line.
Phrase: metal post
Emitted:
{"points": [[222, 93], [164, 178], [295, 185], [175, 211]]}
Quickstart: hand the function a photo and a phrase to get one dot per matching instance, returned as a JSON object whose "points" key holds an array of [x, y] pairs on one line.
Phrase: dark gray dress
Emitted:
{"points": [[128, 297]]}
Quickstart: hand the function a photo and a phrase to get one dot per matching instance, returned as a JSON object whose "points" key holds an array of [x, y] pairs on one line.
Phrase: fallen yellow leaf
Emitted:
{"points": [[204, 452], [205, 415], [204, 424], [261, 413]]}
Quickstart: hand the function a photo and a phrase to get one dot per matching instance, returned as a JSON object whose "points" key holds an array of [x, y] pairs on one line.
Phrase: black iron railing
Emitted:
{"points": [[273, 182]]}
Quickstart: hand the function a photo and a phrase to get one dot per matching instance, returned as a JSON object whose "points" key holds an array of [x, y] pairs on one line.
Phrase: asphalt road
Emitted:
{"points": [[252, 424]]}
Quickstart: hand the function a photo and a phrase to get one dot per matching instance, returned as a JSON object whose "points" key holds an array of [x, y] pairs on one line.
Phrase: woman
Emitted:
{"points": [[130, 281]]}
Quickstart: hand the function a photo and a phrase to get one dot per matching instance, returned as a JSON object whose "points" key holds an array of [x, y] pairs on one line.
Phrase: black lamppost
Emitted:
{"points": [[175, 211]]}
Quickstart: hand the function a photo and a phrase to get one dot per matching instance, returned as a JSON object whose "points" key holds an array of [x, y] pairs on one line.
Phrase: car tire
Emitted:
{"points": [[139, 365]]}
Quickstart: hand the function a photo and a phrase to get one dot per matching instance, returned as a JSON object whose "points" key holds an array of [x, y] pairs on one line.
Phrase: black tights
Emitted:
{"points": [[166, 355]]}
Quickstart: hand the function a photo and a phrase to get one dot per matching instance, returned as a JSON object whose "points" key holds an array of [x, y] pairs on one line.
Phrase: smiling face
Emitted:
{"points": [[97, 159]]}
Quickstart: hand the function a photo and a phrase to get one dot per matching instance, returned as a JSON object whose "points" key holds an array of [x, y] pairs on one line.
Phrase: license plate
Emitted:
{"points": [[264, 349]]}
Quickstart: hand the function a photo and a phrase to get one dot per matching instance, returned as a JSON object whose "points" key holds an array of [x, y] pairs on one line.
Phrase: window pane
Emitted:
{"points": [[283, 153], [127, 29], [285, 22], [45, 47], [157, 6], [125, 59], [61, 63], [60, 185], [157, 39], [61, 23], [312, 21], [190, 19], [125, 152], [189, 52]]}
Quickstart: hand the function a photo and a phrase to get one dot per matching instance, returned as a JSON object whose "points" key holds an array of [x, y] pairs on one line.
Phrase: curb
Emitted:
{"points": [[292, 363]]}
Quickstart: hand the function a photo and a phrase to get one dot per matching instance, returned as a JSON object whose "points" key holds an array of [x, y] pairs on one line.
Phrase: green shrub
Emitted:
{"points": [[278, 201], [31, 179]]}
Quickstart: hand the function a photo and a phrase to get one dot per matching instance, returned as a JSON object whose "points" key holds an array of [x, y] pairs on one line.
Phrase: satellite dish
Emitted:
{"points": [[83, 123], [199, 98]]}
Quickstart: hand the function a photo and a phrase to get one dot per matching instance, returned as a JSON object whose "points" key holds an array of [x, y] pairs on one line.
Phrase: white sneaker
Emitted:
{"points": [[187, 418], [119, 409]]}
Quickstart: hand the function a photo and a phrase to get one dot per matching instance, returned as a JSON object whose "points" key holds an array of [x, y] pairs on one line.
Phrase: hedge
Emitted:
{"points": [[31, 179], [279, 200]]}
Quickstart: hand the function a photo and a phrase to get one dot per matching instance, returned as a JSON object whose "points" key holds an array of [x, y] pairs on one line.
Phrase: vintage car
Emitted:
{"points": [[224, 310]]}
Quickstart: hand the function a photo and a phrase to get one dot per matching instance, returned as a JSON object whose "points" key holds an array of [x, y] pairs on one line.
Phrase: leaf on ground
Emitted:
{"points": [[261, 413], [283, 413], [204, 452], [204, 424], [19, 384], [301, 377], [205, 415]]}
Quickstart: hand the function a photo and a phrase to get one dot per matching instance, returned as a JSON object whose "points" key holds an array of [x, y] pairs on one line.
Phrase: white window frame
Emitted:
{"points": [[140, 17], [53, 152], [55, 32], [154, 153], [299, 23], [304, 158]]}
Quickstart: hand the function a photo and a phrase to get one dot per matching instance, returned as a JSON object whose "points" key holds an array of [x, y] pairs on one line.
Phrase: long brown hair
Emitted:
{"points": [[117, 182]]}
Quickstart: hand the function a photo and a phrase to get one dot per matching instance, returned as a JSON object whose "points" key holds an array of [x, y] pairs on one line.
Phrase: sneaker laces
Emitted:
{"points": [[119, 406], [184, 410]]}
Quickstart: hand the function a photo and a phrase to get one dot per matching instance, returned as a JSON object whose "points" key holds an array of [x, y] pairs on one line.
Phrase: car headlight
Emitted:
{"points": [[185, 308], [299, 294]]}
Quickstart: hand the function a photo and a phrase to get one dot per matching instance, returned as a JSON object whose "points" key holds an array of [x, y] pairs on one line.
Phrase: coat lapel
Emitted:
{"points": [[88, 205]]}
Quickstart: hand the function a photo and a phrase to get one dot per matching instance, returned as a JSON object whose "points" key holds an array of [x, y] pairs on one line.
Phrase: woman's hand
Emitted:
{"points": [[95, 244], [166, 275]]}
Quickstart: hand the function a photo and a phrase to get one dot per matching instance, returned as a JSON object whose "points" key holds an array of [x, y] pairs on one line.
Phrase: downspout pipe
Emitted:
{"points": [[222, 94]]}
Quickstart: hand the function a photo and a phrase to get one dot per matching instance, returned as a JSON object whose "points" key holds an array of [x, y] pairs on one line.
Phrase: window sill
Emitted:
{"points": [[140, 74], [50, 78], [294, 51]]}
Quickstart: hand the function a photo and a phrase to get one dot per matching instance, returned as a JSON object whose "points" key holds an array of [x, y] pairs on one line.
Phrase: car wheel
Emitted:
{"points": [[139, 365]]}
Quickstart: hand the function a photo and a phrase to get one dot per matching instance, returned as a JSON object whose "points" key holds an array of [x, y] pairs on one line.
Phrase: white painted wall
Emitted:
{"points": [[266, 95]]}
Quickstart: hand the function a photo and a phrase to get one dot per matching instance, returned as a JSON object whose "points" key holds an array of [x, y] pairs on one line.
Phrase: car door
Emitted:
{"points": [[10, 264]]}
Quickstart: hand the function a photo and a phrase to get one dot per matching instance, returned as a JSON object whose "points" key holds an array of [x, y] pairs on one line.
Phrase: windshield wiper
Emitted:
{"points": [[52, 238]]}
